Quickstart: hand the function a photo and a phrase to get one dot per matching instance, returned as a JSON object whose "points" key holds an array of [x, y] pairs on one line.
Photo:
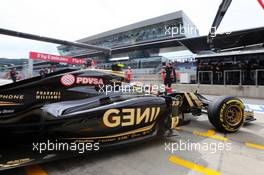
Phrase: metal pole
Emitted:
{"points": [[256, 77], [240, 77], [198, 77], [53, 40], [224, 77], [30, 68], [212, 77]]}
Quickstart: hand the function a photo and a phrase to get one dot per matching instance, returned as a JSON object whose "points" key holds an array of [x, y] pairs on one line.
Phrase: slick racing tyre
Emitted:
{"points": [[226, 114]]}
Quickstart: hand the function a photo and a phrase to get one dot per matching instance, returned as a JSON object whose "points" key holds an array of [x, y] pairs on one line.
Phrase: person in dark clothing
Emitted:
{"points": [[46, 71], [219, 73], [43, 72], [128, 75], [163, 72], [173, 74], [53, 68], [170, 77], [13, 74]]}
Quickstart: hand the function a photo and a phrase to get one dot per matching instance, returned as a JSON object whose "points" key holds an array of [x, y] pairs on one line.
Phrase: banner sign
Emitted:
{"points": [[55, 58], [261, 2]]}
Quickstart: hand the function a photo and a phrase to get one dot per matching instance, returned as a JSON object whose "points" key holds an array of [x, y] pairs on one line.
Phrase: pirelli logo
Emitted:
{"points": [[130, 116]]}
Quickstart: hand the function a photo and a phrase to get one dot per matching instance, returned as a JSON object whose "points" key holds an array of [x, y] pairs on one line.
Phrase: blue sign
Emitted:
{"points": [[257, 108]]}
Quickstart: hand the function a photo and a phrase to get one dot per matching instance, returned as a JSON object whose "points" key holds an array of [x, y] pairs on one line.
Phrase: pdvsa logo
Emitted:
{"points": [[89, 80], [69, 80]]}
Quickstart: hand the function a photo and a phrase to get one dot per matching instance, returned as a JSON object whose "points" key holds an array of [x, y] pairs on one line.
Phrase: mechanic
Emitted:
{"points": [[169, 78], [128, 74], [53, 68], [13, 74], [219, 73], [43, 72], [93, 64], [163, 72]]}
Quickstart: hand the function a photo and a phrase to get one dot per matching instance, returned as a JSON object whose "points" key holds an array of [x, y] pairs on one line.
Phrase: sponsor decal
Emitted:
{"points": [[48, 95], [11, 97], [56, 58], [4, 103], [7, 111], [16, 162], [89, 80], [130, 116], [118, 137], [223, 113], [69, 80]]}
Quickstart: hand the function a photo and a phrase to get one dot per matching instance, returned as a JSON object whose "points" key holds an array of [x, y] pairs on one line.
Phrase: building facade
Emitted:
{"points": [[174, 25]]}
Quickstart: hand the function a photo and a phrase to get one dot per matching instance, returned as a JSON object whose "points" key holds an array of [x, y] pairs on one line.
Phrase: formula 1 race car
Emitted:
{"points": [[71, 106], [56, 116]]}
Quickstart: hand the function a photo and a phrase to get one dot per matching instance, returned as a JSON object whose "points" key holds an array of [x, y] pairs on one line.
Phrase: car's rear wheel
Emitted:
{"points": [[226, 114]]}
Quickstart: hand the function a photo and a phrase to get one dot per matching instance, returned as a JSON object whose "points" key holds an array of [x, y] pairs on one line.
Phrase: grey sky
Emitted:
{"points": [[75, 19]]}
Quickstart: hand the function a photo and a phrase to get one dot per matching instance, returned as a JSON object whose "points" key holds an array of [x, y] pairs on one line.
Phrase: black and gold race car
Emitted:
{"points": [[45, 118], [71, 112]]}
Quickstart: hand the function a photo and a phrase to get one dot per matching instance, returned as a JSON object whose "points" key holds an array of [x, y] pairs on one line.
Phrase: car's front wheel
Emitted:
{"points": [[226, 114]]}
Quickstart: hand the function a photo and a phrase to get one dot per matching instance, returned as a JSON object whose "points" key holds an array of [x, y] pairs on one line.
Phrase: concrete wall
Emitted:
{"points": [[239, 91], [235, 90]]}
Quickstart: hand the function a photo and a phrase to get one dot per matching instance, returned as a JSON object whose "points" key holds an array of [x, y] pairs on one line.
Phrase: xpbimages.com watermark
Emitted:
{"points": [[181, 30], [187, 30], [80, 147], [212, 147], [147, 89]]}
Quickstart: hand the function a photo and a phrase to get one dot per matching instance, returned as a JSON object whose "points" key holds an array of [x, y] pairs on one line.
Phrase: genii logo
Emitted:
{"points": [[130, 116]]}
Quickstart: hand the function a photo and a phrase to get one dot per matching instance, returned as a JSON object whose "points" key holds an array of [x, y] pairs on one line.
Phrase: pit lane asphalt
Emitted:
{"points": [[245, 157]]}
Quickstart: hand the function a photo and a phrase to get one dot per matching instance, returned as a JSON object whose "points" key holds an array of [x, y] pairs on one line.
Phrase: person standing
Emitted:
{"points": [[43, 72], [13, 74], [173, 74], [93, 64], [169, 78], [163, 72], [53, 68], [128, 74], [46, 71]]}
